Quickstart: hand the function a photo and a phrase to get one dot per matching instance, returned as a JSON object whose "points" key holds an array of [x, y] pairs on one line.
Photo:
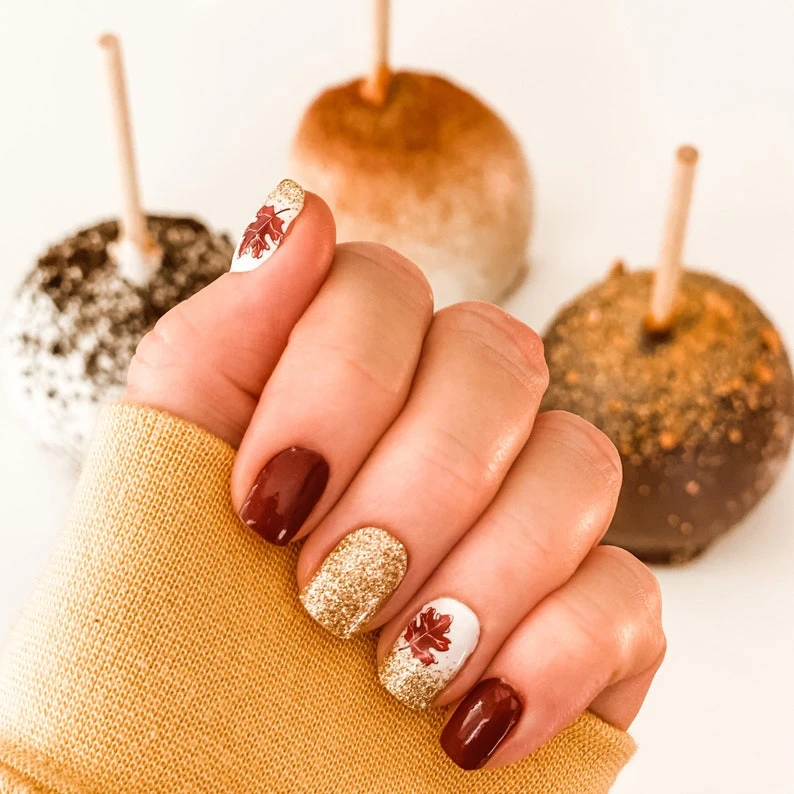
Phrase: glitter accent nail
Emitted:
{"points": [[267, 230], [430, 652], [355, 580]]}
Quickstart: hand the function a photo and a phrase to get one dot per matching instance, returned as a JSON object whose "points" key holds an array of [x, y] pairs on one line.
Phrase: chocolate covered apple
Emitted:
{"points": [[696, 394]]}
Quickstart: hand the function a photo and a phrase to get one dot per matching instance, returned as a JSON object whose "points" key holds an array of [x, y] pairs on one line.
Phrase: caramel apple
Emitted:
{"points": [[417, 163]]}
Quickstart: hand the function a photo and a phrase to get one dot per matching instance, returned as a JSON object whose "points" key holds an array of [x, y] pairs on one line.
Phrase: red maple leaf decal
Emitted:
{"points": [[426, 633], [267, 223]]}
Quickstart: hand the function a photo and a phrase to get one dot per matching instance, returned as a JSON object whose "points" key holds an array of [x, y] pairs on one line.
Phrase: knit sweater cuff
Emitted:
{"points": [[165, 650]]}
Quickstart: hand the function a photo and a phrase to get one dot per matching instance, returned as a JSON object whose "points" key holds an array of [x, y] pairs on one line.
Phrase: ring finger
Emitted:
{"points": [[555, 504]]}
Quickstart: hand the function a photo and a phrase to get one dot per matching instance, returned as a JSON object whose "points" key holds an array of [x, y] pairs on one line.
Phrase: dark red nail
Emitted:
{"points": [[284, 494], [481, 723]]}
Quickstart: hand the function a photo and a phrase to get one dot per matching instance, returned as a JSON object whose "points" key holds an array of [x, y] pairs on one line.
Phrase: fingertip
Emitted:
{"points": [[319, 217], [314, 232]]}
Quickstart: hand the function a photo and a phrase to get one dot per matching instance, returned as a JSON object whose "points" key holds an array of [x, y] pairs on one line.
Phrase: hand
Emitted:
{"points": [[435, 503]]}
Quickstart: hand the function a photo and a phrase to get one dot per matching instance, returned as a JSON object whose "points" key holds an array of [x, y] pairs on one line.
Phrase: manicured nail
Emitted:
{"points": [[430, 651], [267, 230], [481, 723], [355, 580], [284, 493]]}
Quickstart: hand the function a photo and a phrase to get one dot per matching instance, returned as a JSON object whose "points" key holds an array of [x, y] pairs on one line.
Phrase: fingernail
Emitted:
{"points": [[355, 580], [267, 230], [429, 653], [284, 493], [481, 722]]}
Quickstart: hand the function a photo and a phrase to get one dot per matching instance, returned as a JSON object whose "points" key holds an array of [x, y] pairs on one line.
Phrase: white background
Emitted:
{"points": [[600, 93]]}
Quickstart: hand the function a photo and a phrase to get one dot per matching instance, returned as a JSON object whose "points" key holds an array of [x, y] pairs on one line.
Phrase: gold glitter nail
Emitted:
{"points": [[287, 193], [355, 580], [410, 682]]}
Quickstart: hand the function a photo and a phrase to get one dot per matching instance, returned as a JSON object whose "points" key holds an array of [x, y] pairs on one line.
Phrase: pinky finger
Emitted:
{"points": [[596, 640]]}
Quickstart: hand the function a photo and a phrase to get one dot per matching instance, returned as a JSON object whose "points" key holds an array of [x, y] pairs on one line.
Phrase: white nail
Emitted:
{"points": [[267, 230], [430, 651]]}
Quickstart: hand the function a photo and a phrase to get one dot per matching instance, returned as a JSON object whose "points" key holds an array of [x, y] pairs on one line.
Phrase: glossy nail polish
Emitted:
{"points": [[430, 652], [355, 580], [481, 723], [267, 230], [284, 493]]}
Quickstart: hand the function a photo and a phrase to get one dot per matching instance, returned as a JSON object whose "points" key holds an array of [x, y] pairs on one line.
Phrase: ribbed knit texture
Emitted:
{"points": [[165, 650]]}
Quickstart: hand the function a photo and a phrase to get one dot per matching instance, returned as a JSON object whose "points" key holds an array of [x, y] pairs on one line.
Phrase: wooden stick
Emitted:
{"points": [[668, 269], [133, 232], [375, 88]]}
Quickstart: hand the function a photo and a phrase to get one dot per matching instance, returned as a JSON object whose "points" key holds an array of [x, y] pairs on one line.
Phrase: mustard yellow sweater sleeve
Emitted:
{"points": [[164, 650]]}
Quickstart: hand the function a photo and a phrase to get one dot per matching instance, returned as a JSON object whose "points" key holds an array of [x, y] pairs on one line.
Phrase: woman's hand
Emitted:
{"points": [[405, 447]]}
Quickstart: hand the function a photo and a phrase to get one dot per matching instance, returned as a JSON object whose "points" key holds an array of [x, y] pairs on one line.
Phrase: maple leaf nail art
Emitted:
{"points": [[426, 633], [266, 225], [430, 652], [267, 230]]}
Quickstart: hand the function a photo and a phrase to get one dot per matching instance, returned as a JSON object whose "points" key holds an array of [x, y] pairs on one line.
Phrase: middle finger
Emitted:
{"points": [[474, 399]]}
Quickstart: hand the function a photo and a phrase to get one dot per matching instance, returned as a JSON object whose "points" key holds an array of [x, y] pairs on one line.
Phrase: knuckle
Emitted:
{"points": [[343, 363], [533, 552], [513, 344], [586, 441], [161, 348], [406, 276], [660, 645], [637, 580], [458, 474], [624, 623], [587, 618]]}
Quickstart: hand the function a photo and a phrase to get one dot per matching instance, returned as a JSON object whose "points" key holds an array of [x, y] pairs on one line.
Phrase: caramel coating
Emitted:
{"points": [[433, 173], [702, 417]]}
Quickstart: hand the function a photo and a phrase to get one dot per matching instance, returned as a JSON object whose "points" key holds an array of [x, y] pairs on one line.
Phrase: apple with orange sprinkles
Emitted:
{"points": [[697, 394]]}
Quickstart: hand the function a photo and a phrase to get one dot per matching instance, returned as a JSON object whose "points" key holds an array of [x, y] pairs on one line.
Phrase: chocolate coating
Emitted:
{"points": [[702, 418], [74, 324]]}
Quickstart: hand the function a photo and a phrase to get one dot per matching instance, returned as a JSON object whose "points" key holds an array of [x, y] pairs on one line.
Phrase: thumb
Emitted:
{"points": [[207, 360]]}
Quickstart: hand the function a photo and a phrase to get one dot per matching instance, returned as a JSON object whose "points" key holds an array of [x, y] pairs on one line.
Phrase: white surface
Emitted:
{"points": [[600, 93]]}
